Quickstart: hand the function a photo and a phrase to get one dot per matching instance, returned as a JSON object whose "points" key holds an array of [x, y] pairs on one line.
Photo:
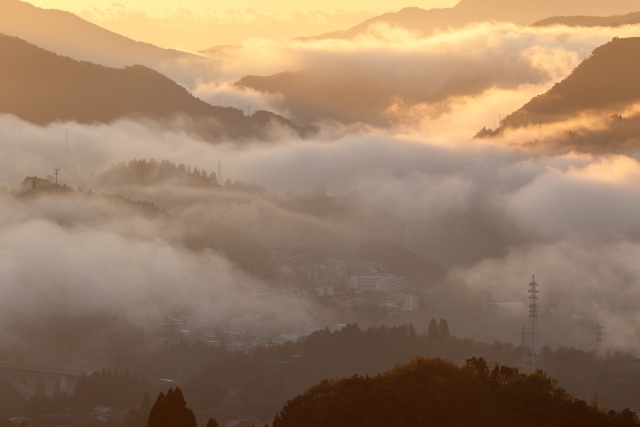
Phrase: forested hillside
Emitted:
{"points": [[435, 392], [231, 385], [604, 82]]}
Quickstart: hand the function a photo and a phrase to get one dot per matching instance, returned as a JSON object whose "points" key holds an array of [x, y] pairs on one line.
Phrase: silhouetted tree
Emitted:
{"points": [[212, 423], [171, 411]]}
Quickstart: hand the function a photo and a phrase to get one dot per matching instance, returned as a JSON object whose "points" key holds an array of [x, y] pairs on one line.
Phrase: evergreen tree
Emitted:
{"points": [[433, 329], [443, 329], [171, 411], [212, 423]]}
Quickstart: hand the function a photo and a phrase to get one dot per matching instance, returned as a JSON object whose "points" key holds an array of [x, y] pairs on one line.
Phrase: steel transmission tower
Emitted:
{"points": [[532, 346], [597, 331]]}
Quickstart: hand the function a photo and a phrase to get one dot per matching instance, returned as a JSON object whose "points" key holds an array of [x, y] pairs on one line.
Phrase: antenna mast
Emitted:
{"points": [[56, 170], [219, 173], [597, 331], [533, 339]]}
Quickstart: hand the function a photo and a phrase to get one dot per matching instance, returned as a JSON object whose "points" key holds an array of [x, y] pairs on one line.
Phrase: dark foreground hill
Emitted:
{"points": [[434, 392], [602, 84], [467, 11], [41, 87], [591, 21]]}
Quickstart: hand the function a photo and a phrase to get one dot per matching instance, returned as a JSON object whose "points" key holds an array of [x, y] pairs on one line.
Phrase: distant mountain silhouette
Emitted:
{"points": [[67, 34], [41, 87], [591, 21], [467, 11], [606, 81], [349, 98]]}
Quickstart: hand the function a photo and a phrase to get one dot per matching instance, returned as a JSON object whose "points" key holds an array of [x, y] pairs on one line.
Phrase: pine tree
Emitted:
{"points": [[171, 411], [212, 423], [433, 329], [443, 328]]}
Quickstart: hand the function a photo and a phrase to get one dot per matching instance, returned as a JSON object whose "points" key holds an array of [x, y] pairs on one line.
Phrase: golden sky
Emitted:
{"points": [[197, 24]]}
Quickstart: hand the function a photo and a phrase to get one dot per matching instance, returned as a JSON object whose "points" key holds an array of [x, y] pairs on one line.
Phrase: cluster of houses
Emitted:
{"points": [[333, 276], [242, 333]]}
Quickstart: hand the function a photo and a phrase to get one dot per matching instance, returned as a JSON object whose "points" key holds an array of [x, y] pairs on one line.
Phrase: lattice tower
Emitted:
{"points": [[531, 360]]}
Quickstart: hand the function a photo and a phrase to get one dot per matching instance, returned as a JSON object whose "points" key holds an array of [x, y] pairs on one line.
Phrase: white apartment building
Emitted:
{"points": [[404, 301], [379, 282]]}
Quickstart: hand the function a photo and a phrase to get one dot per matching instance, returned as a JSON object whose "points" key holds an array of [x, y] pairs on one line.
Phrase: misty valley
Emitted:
{"points": [[426, 215]]}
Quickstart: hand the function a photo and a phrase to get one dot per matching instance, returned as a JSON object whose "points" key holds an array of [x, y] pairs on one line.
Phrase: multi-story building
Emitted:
{"points": [[404, 301], [378, 282]]}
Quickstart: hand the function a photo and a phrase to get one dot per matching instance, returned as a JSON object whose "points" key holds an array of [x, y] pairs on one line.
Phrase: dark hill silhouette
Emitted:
{"points": [[67, 34], [41, 87], [591, 21], [606, 81], [467, 11], [348, 98], [351, 97], [434, 392]]}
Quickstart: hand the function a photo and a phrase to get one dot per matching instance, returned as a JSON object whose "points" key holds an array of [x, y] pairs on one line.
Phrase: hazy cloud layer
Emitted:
{"points": [[495, 211], [397, 69]]}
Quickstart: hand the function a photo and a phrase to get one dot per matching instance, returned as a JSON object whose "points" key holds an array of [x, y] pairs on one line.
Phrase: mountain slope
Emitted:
{"points": [[42, 87], [467, 11], [591, 21], [606, 81], [67, 34]]}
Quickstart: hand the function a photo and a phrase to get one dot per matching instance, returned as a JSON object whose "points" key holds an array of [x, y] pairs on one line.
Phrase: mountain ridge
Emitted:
{"points": [[465, 12], [610, 74], [632, 18], [42, 87], [67, 34]]}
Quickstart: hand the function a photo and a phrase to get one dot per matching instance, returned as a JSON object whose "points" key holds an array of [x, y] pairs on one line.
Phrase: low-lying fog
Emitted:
{"points": [[492, 212]]}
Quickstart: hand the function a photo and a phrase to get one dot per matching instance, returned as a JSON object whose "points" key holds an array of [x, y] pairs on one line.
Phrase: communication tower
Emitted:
{"points": [[56, 171], [219, 173], [597, 331], [532, 346]]}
